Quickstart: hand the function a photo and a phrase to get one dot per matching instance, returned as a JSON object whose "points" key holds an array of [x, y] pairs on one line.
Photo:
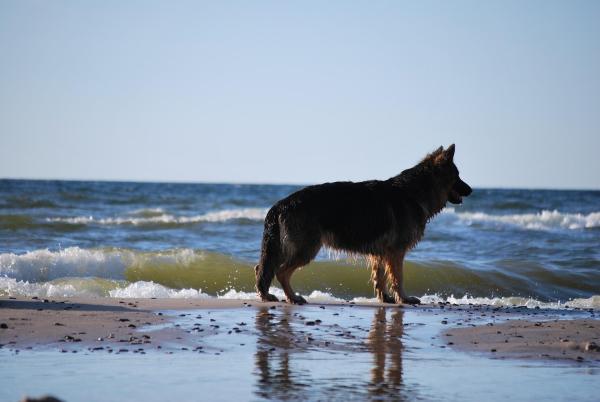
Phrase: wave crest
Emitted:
{"points": [[46, 265], [544, 220], [157, 216]]}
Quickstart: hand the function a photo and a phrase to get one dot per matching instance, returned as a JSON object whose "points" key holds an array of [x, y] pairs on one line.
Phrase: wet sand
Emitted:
{"points": [[573, 339], [94, 323], [138, 325]]}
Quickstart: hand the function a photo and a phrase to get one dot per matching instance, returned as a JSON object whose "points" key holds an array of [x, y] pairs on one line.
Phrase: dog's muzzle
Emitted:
{"points": [[458, 191]]}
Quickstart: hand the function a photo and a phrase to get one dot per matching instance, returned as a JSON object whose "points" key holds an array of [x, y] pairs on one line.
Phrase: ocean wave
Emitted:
{"points": [[157, 216], [66, 287], [544, 220], [46, 265], [216, 274]]}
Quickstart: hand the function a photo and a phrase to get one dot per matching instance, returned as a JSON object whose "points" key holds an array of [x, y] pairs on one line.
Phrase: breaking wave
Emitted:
{"points": [[157, 216], [115, 272], [544, 220]]}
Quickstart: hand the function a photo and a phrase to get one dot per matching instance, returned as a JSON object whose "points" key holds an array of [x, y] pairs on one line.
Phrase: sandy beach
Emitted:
{"points": [[572, 339], [99, 323]]}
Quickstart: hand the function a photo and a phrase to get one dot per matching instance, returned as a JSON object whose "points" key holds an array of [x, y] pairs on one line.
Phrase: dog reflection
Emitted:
{"points": [[274, 345], [279, 379], [385, 342]]}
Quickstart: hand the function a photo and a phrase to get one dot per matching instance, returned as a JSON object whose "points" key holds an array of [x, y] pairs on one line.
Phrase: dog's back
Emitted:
{"points": [[359, 217]]}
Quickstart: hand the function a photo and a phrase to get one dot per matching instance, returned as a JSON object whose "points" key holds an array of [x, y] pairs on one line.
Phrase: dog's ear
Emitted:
{"points": [[450, 152]]}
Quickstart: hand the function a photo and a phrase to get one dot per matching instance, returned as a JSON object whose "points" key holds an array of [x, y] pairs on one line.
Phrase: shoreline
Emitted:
{"points": [[139, 326]]}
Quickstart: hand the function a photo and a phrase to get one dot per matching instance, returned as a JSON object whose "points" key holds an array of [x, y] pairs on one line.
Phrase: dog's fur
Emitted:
{"points": [[382, 220]]}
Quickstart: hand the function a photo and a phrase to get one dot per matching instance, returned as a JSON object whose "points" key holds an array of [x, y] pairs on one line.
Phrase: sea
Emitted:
{"points": [[505, 247]]}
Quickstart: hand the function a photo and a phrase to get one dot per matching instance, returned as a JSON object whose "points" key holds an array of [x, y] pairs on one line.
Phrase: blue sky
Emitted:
{"points": [[300, 92]]}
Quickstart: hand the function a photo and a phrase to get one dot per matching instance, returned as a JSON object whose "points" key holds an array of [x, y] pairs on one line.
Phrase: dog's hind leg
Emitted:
{"points": [[378, 279], [283, 276], [264, 277], [394, 266], [299, 252]]}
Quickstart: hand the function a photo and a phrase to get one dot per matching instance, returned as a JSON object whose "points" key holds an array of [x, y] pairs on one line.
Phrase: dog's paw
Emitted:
{"points": [[269, 298], [297, 299], [411, 300], [387, 299]]}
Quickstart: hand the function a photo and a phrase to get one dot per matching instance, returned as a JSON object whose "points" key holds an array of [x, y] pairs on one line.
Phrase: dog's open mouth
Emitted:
{"points": [[454, 197]]}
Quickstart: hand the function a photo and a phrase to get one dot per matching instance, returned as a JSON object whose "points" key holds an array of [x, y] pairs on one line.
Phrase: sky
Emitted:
{"points": [[300, 91]]}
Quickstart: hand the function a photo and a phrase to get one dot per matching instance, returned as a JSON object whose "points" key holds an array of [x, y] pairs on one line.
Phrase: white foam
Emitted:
{"points": [[145, 290], [315, 297], [233, 294], [592, 302], [148, 211], [157, 216], [255, 214], [544, 220]]}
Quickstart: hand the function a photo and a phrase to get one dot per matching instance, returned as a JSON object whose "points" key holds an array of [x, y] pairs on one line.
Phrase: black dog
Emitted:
{"points": [[379, 219]]}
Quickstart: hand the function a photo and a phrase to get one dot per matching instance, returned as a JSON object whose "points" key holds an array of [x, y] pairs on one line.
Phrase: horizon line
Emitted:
{"points": [[484, 187]]}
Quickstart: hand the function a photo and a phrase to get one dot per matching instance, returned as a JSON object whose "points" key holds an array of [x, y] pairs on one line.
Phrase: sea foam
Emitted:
{"points": [[157, 216], [144, 289], [544, 220]]}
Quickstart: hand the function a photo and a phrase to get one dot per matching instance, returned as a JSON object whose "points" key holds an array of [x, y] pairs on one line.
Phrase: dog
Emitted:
{"points": [[381, 220]]}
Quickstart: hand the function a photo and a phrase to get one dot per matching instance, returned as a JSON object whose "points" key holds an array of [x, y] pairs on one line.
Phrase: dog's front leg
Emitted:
{"points": [[394, 266]]}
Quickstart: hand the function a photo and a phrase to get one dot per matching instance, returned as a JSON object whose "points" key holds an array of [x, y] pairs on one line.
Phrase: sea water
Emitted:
{"points": [[538, 248]]}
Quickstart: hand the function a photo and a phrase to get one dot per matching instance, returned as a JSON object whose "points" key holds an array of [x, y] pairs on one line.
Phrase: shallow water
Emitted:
{"points": [[354, 353]]}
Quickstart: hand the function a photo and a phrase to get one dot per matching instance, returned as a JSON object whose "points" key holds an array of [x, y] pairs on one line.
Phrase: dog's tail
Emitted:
{"points": [[270, 255]]}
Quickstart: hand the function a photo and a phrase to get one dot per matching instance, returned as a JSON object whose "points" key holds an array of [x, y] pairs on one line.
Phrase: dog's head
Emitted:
{"points": [[448, 174]]}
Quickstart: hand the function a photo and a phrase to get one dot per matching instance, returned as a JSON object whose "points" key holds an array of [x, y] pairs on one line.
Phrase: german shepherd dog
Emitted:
{"points": [[381, 220]]}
